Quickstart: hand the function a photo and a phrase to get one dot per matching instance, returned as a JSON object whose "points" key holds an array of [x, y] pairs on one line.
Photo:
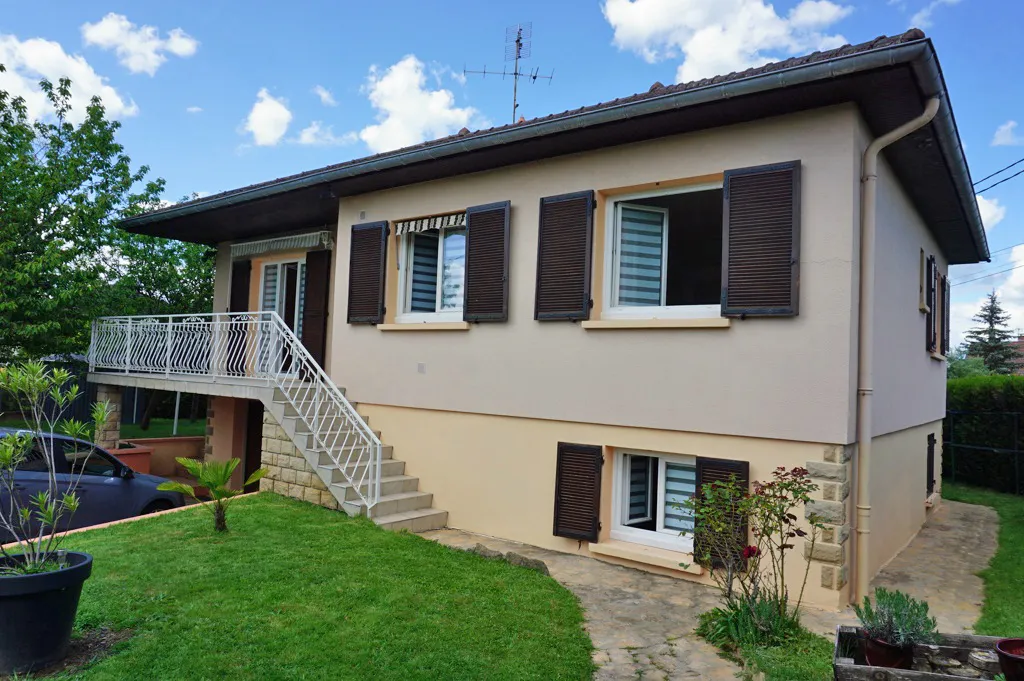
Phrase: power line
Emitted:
{"points": [[986, 276], [982, 271], [1005, 179], [998, 172]]}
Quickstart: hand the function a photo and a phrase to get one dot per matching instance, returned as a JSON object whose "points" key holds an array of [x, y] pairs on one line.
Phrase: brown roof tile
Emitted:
{"points": [[656, 90]]}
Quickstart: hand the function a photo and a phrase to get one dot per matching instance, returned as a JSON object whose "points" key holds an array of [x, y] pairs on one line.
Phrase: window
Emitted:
{"points": [[665, 254], [35, 460], [935, 287], [283, 291], [434, 274], [84, 459], [650, 491]]}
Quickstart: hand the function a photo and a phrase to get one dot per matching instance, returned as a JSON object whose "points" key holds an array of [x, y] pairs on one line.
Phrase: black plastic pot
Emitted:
{"points": [[37, 613]]}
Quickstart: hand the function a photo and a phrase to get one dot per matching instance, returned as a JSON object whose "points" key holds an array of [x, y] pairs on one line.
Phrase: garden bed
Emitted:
{"points": [[950, 658]]}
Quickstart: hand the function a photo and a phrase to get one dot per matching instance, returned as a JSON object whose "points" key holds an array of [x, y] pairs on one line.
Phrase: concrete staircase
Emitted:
{"points": [[402, 506]]}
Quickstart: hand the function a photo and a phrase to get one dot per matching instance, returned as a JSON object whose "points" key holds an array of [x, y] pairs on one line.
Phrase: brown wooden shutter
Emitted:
{"points": [[929, 331], [945, 315], [578, 491], [367, 260], [722, 470], [241, 272], [487, 244], [761, 241], [315, 306], [563, 256]]}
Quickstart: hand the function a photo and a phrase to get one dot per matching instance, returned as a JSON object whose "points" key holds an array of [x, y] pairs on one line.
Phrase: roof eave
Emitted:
{"points": [[919, 54]]}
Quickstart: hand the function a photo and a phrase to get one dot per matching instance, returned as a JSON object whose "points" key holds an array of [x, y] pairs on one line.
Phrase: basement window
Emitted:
{"points": [[649, 492], [665, 254]]}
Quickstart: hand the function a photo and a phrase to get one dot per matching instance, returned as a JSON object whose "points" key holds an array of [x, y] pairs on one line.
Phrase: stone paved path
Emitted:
{"points": [[642, 624], [938, 566]]}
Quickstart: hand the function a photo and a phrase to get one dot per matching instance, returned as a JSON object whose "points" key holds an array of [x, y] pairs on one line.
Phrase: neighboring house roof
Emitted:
{"points": [[889, 78]]}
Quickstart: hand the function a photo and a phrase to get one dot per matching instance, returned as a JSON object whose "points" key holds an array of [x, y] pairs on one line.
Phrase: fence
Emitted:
{"points": [[983, 449]]}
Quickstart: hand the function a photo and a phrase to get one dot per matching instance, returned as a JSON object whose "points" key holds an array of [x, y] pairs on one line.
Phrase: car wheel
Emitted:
{"points": [[161, 505]]}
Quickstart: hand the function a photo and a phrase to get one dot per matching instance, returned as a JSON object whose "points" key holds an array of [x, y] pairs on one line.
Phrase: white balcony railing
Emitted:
{"points": [[246, 347]]}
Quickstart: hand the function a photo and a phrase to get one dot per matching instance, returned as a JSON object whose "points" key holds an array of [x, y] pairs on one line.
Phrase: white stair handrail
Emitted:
{"points": [[247, 346]]}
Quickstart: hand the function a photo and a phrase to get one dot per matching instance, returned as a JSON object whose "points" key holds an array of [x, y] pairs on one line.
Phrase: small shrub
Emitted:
{"points": [[896, 619], [748, 622], [216, 477]]}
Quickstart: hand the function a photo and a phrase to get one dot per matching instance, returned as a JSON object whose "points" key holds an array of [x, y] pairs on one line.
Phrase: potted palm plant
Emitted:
{"points": [[40, 583], [892, 626]]}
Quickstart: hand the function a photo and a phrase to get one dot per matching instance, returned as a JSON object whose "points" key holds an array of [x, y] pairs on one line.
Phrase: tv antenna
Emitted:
{"points": [[517, 47]]}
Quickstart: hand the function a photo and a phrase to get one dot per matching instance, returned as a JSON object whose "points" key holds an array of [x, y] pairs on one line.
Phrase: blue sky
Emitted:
{"points": [[214, 98]]}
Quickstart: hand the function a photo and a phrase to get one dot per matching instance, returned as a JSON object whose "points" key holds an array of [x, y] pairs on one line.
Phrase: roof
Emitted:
{"points": [[889, 77]]}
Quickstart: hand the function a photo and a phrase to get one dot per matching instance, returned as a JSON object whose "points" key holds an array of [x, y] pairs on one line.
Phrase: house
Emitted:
{"points": [[554, 331]]}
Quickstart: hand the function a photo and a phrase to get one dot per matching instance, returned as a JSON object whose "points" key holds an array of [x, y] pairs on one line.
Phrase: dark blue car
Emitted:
{"points": [[107, 489]]}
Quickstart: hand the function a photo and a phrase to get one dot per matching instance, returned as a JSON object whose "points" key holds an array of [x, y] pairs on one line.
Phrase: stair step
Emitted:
{"points": [[338, 441], [420, 520], [388, 468], [392, 503], [389, 485], [279, 395], [334, 425], [386, 451]]}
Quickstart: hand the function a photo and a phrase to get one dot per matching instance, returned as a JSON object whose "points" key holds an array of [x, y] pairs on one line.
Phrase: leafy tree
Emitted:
{"points": [[959, 364], [63, 188], [992, 340]]}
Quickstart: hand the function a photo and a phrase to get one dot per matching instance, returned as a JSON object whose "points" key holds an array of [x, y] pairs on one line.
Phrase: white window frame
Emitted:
{"points": [[662, 538], [612, 232], [405, 283], [280, 262]]}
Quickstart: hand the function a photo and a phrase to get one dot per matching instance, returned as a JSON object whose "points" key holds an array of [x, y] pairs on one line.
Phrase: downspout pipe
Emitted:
{"points": [[865, 343]]}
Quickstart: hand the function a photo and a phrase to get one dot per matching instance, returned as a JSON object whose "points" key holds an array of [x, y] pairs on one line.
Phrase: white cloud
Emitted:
{"points": [[318, 135], [29, 61], [923, 18], [268, 120], [194, 109], [139, 48], [407, 112], [326, 98], [717, 38], [992, 212], [1006, 135]]}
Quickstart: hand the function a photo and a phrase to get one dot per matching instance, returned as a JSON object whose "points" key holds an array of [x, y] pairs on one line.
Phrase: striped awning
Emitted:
{"points": [[433, 222], [284, 243]]}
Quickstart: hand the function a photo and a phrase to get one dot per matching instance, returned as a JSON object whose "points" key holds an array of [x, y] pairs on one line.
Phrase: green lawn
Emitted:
{"points": [[294, 591], [1003, 611], [157, 427], [807, 657]]}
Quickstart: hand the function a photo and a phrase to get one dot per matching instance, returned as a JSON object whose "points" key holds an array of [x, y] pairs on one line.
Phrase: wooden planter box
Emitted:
{"points": [[949, 659]]}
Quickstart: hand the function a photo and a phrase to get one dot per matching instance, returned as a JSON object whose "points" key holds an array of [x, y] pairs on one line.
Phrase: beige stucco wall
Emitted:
{"points": [[898, 489], [774, 378], [227, 440], [909, 385], [222, 280], [496, 475]]}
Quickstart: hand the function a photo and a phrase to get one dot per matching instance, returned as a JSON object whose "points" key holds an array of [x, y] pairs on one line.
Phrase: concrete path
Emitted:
{"points": [[642, 624]]}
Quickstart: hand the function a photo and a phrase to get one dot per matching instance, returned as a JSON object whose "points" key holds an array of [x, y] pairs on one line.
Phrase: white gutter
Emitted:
{"points": [[865, 343]]}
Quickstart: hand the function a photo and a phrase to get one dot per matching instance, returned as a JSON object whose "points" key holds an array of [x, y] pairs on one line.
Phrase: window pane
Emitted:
{"points": [[454, 270], [82, 459], [35, 459], [680, 485], [639, 470], [423, 289], [641, 245], [269, 302]]}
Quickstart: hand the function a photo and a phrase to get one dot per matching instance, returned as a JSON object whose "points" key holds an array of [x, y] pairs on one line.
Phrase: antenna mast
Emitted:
{"points": [[517, 47]]}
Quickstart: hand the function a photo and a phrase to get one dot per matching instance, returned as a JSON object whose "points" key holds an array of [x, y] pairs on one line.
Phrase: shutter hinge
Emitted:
{"points": [[593, 203], [590, 303]]}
